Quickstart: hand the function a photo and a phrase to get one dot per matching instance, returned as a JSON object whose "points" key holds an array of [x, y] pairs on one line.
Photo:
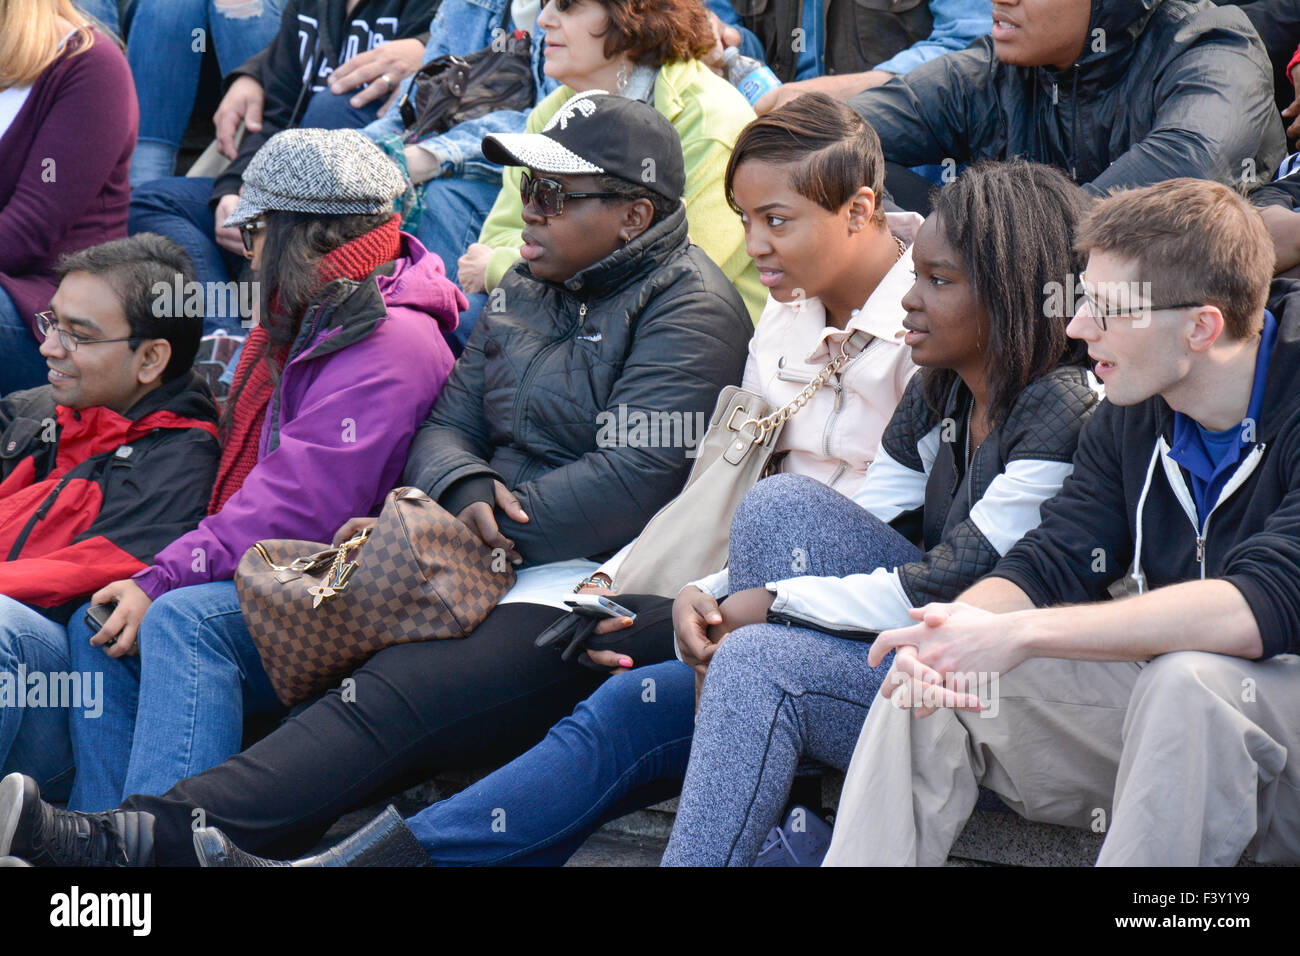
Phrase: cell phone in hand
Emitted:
{"points": [[97, 616], [596, 605]]}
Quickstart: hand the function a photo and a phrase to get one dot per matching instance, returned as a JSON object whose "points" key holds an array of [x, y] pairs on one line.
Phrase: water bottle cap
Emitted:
{"points": [[729, 54]]}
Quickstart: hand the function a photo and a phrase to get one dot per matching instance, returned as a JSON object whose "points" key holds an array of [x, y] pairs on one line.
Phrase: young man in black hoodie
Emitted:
{"points": [[99, 469], [1165, 718], [1115, 92]]}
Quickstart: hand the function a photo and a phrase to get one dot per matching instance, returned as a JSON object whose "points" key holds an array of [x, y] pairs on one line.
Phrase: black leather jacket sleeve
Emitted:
{"points": [[599, 502], [936, 110], [1215, 107]]}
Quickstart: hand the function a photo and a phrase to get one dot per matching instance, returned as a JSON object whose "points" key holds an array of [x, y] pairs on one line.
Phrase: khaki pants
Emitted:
{"points": [[1183, 762]]}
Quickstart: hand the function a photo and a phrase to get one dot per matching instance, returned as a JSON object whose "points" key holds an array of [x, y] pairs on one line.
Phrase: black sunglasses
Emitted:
{"points": [[548, 195], [246, 231]]}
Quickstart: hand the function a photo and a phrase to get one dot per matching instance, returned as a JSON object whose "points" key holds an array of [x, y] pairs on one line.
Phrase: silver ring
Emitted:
{"points": [[389, 80]]}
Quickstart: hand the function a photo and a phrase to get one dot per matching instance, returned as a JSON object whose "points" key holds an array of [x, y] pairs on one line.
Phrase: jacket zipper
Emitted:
{"points": [[777, 617], [835, 411], [40, 514], [536, 363], [1202, 529]]}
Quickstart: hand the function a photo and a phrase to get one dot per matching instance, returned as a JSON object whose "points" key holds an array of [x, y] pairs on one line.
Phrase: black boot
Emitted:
{"points": [[384, 841], [34, 831]]}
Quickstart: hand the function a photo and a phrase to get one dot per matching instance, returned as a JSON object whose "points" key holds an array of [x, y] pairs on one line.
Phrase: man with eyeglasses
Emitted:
{"points": [[1166, 719], [99, 469]]}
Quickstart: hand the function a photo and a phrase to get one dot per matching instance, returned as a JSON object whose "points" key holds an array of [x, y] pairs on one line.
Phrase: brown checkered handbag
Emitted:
{"points": [[316, 613]]}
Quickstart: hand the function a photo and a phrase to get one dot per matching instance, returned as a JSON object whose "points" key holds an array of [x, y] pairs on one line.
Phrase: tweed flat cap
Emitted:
{"points": [[334, 172]]}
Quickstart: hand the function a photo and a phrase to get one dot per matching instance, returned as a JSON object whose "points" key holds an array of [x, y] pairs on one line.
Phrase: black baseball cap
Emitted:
{"points": [[595, 132]]}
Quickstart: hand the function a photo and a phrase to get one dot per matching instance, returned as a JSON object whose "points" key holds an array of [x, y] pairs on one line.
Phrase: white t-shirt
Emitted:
{"points": [[524, 14], [14, 98], [11, 101]]}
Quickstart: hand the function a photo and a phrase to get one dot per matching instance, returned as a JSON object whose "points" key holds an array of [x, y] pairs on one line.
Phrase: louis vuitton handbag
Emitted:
{"points": [[317, 612]]}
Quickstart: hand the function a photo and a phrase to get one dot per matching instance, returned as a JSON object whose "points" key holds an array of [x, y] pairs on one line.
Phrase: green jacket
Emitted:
{"points": [[708, 113]]}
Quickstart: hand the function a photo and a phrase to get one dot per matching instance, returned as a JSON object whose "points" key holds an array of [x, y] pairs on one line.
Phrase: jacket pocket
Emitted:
{"points": [[17, 439]]}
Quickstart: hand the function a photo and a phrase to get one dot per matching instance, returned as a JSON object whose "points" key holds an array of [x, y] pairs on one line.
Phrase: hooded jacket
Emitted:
{"points": [[362, 373], [1164, 88], [89, 496], [1250, 537], [540, 395]]}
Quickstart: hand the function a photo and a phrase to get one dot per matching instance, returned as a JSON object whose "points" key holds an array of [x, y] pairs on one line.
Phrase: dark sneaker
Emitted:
{"points": [[384, 841], [802, 840], [43, 835]]}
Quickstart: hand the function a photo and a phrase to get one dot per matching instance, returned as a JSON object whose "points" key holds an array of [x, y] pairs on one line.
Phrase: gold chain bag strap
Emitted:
{"points": [[688, 537], [317, 613]]}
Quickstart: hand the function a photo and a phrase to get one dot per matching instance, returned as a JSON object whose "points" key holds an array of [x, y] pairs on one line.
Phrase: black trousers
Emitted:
{"points": [[413, 711]]}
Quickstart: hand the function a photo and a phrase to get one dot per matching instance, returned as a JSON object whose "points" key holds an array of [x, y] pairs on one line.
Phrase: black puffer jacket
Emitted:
{"points": [[655, 327], [1167, 88]]}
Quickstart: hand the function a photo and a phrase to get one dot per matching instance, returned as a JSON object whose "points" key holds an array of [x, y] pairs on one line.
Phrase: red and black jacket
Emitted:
{"points": [[87, 497]]}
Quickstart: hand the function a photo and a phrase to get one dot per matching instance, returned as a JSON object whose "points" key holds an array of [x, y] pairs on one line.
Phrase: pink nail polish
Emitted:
{"points": [[625, 662]]}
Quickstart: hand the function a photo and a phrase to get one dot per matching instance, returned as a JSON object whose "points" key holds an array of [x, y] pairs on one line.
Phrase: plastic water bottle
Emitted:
{"points": [[752, 78]]}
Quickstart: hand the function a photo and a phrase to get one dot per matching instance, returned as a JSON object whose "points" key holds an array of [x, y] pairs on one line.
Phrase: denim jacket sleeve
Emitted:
{"points": [[956, 25], [750, 45], [462, 27]]}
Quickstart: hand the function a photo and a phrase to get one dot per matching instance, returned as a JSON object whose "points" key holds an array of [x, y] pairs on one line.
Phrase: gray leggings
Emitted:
{"points": [[775, 694]]}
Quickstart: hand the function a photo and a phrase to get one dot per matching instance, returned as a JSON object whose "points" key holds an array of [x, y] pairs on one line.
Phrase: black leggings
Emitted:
{"points": [[414, 710]]}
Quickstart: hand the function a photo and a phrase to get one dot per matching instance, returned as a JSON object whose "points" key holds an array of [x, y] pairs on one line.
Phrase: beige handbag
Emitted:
{"points": [[687, 539]]}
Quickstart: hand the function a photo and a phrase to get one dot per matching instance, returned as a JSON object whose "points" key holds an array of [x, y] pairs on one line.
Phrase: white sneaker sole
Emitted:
{"points": [[11, 806]]}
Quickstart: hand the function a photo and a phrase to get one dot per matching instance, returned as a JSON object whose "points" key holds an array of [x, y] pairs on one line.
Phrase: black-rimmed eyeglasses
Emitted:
{"points": [[1091, 307], [46, 322]]}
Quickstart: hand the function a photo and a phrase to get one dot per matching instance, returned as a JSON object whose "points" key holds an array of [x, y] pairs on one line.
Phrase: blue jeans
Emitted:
{"points": [[176, 709], [162, 44], [627, 745], [34, 729], [114, 14], [23, 365], [623, 748], [177, 207], [454, 211]]}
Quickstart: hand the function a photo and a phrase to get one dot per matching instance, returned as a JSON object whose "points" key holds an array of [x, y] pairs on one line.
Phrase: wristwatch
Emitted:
{"points": [[597, 578]]}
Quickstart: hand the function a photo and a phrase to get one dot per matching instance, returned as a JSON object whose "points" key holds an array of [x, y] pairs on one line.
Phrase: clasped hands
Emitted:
{"points": [[938, 663]]}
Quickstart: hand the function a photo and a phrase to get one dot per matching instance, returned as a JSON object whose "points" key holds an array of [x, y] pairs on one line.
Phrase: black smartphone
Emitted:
{"points": [[97, 616]]}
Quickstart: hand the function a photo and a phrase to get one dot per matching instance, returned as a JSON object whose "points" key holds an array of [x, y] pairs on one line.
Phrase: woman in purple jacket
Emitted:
{"points": [[68, 121], [331, 387]]}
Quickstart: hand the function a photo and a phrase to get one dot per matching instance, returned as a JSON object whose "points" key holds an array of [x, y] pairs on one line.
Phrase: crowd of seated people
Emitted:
{"points": [[1013, 277]]}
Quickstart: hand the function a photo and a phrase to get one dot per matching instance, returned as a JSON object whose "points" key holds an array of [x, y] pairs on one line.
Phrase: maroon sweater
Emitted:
{"points": [[64, 164]]}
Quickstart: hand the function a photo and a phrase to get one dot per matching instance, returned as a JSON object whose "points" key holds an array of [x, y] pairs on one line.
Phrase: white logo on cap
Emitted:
{"points": [[579, 103]]}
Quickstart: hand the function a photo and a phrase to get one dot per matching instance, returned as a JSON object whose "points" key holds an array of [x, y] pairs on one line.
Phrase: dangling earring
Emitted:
{"points": [[621, 80]]}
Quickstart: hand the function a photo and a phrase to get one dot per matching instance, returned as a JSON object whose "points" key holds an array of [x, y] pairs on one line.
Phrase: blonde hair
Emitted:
{"points": [[30, 35]]}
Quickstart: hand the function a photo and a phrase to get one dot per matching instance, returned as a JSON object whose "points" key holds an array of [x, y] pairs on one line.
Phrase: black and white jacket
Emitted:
{"points": [[963, 519]]}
